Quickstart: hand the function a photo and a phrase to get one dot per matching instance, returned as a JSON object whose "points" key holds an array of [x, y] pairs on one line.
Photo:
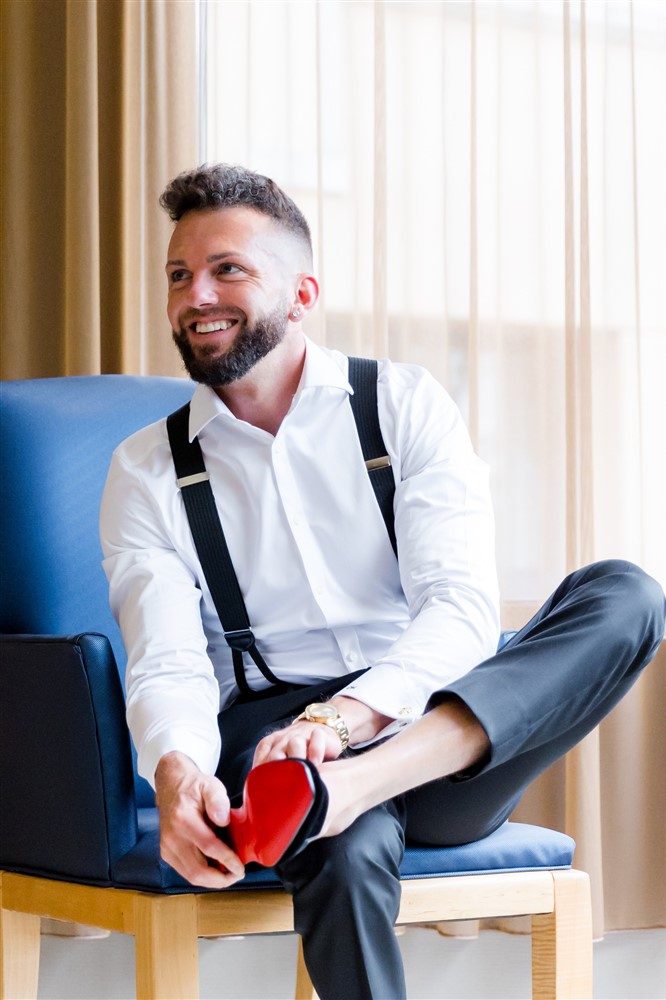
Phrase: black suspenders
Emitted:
{"points": [[363, 380], [208, 534]]}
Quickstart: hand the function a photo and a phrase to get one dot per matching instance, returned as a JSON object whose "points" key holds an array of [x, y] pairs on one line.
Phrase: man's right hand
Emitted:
{"points": [[190, 803]]}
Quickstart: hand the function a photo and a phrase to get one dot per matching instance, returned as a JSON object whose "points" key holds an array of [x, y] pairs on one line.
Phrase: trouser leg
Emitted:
{"points": [[346, 889], [346, 892], [536, 699], [554, 682]]}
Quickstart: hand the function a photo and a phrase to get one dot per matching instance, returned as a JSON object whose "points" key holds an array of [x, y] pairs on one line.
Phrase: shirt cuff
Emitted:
{"points": [[403, 709], [175, 740], [390, 730]]}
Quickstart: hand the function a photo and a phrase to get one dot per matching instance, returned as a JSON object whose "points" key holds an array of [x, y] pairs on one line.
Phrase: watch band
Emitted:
{"points": [[330, 717]]}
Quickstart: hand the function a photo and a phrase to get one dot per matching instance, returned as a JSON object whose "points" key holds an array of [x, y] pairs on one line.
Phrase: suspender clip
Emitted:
{"points": [[198, 477], [378, 463], [241, 639]]}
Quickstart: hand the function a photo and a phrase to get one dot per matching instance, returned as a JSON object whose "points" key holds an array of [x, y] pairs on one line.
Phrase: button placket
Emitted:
{"points": [[298, 523], [350, 650]]}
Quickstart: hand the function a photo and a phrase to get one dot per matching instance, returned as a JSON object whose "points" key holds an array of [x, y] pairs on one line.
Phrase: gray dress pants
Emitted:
{"points": [[539, 696]]}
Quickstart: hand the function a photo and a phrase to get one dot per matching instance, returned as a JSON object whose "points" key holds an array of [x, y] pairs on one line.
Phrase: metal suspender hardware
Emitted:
{"points": [[208, 534], [199, 477]]}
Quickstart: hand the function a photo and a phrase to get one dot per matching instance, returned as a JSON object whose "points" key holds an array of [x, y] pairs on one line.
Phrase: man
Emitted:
{"points": [[402, 650]]}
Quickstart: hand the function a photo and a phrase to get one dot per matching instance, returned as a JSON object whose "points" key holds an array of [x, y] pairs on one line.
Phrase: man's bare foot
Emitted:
{"points": [[445, 740], [344, 804]]}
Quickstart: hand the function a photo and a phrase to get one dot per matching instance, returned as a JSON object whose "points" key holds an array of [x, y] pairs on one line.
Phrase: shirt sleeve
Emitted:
{"points": [[445, 533], [172, 693]]}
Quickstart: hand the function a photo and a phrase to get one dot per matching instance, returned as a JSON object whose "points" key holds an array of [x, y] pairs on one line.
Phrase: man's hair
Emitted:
{"points": [[223, 185]]}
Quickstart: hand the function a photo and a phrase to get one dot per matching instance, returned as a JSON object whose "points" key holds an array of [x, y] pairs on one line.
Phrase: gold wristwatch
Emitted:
{"points": [[328, 715]]}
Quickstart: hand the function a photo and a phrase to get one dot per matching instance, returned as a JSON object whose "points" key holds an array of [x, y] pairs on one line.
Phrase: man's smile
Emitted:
{"points": [[220, 324], [205, 328]]}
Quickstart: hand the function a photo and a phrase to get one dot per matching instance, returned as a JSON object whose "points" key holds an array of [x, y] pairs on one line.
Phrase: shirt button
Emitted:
{"points": [[350, 657], [406, 710]]}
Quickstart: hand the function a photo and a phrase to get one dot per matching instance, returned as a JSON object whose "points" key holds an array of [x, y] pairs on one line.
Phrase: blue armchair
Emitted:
{"points": [[78, 829]]}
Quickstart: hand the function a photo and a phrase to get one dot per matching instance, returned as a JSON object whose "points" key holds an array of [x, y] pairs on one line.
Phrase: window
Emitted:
{"points": [[426, 144]]}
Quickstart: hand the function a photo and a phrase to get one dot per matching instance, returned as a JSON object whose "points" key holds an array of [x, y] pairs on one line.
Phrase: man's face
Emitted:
{"points": [[232, 274]]}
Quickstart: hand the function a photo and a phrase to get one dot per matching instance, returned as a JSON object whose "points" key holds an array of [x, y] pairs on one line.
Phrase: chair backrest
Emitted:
{"points": [[56, 441]]}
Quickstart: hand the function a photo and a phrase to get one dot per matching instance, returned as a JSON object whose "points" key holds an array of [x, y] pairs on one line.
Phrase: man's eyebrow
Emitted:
{"points": [[209, 260]]}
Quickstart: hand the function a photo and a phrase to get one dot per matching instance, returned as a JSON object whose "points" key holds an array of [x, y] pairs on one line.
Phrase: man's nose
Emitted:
{"points": [[203, 291]]}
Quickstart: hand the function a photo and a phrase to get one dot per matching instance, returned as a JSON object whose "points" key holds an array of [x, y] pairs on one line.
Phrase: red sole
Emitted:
{"points": [[276, 800]]}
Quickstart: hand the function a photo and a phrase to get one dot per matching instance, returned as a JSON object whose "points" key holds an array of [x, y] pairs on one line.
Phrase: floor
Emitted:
{"points": [[629, 965]]}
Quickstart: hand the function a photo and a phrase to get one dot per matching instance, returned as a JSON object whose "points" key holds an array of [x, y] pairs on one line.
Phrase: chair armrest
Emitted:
{"points": [[68, 806]]}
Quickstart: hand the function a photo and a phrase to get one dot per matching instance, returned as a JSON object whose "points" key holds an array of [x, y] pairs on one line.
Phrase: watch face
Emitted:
{"points": [[322, 711]]}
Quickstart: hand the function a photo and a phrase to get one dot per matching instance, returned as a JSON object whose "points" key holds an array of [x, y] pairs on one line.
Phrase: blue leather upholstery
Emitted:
{"points": [[55, 448], [68, 803], [72, 808]]}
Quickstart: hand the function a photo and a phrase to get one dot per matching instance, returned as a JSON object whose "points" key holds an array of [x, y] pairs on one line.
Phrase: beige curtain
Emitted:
{"points": [[486, 187], [99, 102], [99, 110]]}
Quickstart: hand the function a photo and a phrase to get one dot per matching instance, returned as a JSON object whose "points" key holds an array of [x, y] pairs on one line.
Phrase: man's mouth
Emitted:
{"points": [[214, 327]]}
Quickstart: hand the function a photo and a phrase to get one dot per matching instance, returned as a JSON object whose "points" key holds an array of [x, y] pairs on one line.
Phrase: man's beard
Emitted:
{"points": [[251, 344]]}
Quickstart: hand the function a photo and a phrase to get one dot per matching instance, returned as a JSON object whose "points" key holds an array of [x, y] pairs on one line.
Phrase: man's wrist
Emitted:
{"points": [[326, 714], [363, 722], [174, 763]]}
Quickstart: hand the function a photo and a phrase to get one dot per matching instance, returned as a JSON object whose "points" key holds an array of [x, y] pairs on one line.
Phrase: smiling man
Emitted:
{"points": [[378, 673], [219, 346]]}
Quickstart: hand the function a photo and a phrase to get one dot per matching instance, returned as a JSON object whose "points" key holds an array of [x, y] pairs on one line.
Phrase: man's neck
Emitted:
{"points": [[263, 397]]}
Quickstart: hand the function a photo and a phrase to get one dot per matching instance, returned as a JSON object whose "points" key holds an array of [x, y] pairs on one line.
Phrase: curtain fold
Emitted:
{"points": [[379, 298], [98, 112], [582, 817]]}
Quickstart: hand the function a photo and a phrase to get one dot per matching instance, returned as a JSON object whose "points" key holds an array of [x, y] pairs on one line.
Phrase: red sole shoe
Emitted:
{"points": [[277, 799]]}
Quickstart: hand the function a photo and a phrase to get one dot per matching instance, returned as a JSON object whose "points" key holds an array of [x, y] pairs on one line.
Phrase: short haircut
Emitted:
{"points": [[223, 185]]}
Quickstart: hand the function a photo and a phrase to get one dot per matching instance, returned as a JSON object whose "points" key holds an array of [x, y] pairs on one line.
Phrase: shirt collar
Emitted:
{"points": [[323, 367]]}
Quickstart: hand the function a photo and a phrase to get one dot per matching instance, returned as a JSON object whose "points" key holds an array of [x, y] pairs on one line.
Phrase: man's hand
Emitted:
{"points": [[316, 742], [189, 803]]}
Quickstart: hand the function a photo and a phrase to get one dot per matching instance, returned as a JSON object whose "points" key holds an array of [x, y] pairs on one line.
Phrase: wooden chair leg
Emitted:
{"points": [[304, 988], [562, 942], [167, 954], [19, 955]]}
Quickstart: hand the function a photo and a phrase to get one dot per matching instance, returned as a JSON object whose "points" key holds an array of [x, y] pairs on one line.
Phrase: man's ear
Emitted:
{"points": [[306, 294]]}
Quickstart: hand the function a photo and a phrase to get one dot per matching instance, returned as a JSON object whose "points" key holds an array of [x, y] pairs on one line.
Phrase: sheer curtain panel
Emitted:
{"points": [[485, 182]]}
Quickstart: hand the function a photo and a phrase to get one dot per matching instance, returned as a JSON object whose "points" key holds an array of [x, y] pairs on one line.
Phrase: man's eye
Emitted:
{"points": [[176, 276], [228, 268]]}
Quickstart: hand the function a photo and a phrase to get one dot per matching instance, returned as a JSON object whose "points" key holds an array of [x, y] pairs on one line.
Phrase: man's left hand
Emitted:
{"points": [[316, 742], [307, 740]]}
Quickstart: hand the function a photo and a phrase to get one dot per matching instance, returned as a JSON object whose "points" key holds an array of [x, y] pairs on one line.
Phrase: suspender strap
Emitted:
{"points": [[211, 546], [363, 380]]}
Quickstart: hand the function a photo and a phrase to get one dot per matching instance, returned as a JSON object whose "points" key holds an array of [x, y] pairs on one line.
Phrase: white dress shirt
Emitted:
{"points": [[324, 592]]}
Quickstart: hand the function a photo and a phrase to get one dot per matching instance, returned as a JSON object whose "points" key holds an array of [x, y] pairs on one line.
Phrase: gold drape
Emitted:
{"points": [[99, 104]]}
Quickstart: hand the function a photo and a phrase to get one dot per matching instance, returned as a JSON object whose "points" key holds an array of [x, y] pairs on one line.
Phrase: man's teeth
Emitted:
{"points": [[221, 324]]}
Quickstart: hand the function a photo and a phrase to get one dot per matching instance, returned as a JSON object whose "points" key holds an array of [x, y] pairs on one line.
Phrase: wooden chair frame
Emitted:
{"points": [[166, 927]]}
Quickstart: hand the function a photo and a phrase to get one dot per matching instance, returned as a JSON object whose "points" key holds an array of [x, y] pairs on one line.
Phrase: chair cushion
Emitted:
{"points": [[513, 847]]}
